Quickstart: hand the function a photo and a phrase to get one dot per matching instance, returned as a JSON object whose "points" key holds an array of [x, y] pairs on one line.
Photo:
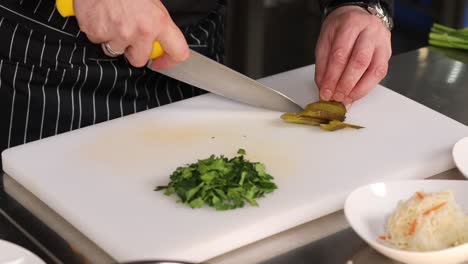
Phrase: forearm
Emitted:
{"points": [[387, 4]]}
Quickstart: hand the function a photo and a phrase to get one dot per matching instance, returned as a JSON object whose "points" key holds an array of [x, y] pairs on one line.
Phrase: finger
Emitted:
{"points": [[164, 62], [161, 6], [139, 52], [96, 39], [115, 46], [321, 58], [337, 60], [358, 63], [175, 48], [145, 33], [174, 44], [122, 37], [98, 35], [375, 73]]}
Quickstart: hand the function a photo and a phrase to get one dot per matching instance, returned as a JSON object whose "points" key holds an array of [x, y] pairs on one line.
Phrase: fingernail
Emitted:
{"points": [[326, 94], [339, 96]]}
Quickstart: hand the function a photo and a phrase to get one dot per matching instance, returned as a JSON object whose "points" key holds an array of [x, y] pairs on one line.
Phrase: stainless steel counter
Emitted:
{"points": [[435, 78]]}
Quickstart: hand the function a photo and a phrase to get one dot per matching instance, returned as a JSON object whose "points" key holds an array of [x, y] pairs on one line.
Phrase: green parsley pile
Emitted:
{"points": [[220, 182]]}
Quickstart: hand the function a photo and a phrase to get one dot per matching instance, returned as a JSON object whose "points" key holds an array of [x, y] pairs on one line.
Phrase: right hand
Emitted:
{"points": [[133, 26], [352, 54]]}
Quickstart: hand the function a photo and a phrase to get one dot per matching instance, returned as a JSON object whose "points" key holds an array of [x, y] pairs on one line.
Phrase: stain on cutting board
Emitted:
{"points": [[149, 148]]}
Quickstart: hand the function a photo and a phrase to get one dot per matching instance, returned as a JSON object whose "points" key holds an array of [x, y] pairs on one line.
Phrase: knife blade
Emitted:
{"points": [[209, 75]]}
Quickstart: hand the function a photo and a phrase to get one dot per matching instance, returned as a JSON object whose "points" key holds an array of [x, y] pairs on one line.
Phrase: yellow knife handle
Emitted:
{"points": [[157, 51], [65, 8]]}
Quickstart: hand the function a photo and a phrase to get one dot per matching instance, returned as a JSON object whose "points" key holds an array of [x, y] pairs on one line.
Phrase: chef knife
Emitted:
{"points": [[209, 75]]}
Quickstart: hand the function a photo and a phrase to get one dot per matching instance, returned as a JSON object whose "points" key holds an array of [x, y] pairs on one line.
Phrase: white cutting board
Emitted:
{"points": [[101, 178]]}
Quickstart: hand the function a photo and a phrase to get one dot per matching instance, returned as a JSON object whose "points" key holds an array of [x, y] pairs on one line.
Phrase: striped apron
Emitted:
{"points": [[53, 80]]}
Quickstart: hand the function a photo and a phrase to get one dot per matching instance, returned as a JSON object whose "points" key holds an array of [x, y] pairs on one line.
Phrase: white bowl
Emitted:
{"points": [[367, 209], [13, 254], [460, 155]]}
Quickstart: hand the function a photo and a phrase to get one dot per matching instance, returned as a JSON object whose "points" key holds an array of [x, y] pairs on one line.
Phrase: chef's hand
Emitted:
{"points": [[131, 27], [352, 54]]}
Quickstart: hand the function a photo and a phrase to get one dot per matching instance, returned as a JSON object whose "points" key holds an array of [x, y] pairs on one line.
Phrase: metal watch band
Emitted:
{"points": [[373, 7]]}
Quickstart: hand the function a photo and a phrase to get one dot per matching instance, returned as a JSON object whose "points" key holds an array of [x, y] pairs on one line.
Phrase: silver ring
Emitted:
{"points": [[111, 51]]}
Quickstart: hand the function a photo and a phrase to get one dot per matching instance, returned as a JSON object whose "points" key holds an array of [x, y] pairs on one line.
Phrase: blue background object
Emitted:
{"points": [[410, 18], [465, 17]]}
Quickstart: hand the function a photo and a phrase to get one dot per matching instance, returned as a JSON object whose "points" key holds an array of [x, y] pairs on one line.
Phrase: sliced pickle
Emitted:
{"points": [[336, 125], [329, 115], [333, 107], [323, 115], [298, 118]]}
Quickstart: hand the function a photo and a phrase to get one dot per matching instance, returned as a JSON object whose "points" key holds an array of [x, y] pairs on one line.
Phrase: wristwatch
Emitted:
{"points": [[372, 6]]}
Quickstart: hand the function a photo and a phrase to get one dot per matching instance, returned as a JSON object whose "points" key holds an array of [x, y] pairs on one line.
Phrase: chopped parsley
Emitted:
{"points": [[219, 182]]}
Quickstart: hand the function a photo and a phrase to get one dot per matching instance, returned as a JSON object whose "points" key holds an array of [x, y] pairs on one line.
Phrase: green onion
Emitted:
{"points": [[442, 36]]}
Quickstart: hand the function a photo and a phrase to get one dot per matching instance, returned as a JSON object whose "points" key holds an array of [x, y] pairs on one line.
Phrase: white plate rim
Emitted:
{"points": [[457, 148], [23, 251]]}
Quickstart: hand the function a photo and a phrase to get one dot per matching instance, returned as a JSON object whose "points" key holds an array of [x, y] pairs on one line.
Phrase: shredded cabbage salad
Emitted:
{"points": [[426, 222]]}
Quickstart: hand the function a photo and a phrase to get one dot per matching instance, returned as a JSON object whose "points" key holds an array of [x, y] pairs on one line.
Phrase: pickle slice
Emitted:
{"points": [[336, 125], [324, 115], [298, 118], [334, 107], [329, 115]]}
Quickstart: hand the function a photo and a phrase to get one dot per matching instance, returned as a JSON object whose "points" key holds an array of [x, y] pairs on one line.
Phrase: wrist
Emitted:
{"points": [[372, 7], [345, 9]]}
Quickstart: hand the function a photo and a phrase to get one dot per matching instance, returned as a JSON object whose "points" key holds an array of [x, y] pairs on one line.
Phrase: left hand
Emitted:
{"points": [[352, 54], [131, 27]]}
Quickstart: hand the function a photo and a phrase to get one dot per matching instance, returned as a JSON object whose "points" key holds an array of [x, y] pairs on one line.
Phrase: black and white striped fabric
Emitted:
{"points": [[53, 80]]}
